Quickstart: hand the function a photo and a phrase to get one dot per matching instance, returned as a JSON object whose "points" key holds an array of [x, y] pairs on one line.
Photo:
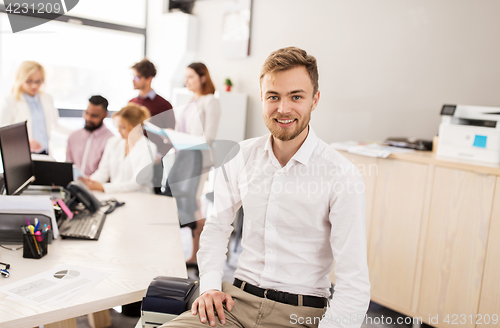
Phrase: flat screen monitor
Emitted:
{"points": [[18, 168], [52, 173]]}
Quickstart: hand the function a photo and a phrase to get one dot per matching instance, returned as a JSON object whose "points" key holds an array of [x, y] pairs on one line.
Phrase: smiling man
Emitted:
{"points": [[304, 207]]}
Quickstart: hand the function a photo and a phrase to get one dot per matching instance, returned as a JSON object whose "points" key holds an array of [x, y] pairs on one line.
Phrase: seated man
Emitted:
{"points": [[86, 146], [304, 206]]}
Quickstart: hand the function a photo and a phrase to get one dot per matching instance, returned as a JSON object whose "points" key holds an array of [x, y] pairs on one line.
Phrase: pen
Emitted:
{"points": [[28, 222], [37, 224], [25, 231], [32, 229]]}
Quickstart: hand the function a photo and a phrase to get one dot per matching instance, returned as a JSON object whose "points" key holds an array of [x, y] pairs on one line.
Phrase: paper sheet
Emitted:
{"points": [[77, 173], [179, 140], [58, 287], [370, 150]]}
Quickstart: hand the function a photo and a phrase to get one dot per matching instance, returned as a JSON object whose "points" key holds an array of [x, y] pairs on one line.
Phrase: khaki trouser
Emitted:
{"points": [[251, 311]]}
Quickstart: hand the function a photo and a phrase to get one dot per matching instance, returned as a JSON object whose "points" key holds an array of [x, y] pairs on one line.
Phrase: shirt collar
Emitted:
{"points": [[151, 95], [98, 131], [305, 151], [29, 98]]}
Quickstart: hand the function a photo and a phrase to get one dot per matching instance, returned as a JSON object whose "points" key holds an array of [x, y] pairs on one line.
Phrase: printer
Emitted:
{"points": [[166, 298], [470, 133]]}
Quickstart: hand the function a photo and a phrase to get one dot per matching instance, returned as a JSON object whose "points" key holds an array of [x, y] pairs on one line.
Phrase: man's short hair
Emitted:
{"points": [[288, 58], [145, 68], [99, 101]]}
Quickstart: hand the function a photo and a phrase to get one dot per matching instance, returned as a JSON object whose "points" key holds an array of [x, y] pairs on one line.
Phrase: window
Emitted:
{"points": [[80, 60], [125, 12]]}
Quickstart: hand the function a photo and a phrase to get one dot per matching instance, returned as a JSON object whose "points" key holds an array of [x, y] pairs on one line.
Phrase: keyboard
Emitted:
{"points": [[84, 225]]}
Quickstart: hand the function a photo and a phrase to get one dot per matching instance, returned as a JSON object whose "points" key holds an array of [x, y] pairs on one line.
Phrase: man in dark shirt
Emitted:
{"points": [[144, 72], [160, 109]]}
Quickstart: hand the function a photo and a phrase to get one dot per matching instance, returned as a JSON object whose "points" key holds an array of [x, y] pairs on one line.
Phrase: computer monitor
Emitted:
{"points": [[18, 168], [52, 173]]}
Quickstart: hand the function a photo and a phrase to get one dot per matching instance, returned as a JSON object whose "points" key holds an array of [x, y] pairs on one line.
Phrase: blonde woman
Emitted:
{"points": [[28, 103], [127, 161]]}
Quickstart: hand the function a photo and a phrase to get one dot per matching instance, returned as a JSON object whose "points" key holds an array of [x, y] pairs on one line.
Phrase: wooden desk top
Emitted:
{"points": [[139, 241], [427, 157]]}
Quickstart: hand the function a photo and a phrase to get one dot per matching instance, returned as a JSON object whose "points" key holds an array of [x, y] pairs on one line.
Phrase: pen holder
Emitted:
{"points": [[33, 249]]}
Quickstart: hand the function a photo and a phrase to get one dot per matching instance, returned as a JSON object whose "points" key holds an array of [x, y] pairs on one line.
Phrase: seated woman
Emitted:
{"points": [[125, 157]]}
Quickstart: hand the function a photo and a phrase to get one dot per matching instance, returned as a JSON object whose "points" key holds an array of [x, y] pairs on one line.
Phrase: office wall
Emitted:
{"points": [[172, 40], [386, 66]]}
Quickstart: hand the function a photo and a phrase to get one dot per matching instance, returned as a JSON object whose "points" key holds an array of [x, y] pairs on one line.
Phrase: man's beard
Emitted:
{"points": [[286, 134], [91, 128]]}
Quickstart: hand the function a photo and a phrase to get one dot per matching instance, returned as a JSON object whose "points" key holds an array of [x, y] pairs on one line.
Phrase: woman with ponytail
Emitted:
{"points": [[127, 161]]}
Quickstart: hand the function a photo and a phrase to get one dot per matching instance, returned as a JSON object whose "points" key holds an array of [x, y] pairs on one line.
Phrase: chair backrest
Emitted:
{"points": [[182, 183]]}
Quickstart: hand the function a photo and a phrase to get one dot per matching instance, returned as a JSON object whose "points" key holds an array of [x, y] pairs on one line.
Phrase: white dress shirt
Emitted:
{"points": [[200, 122], [200, 117], [118, 172], [298, 219]]}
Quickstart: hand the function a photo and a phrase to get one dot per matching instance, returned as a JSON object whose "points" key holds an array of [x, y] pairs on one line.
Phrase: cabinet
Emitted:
{"points": [[394, 237], [489, 303], [433, 232], [455, 247]]}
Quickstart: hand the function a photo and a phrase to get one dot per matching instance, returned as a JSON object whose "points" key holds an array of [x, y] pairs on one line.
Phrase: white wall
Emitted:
{"points": [[386, 66], [172, 40]]}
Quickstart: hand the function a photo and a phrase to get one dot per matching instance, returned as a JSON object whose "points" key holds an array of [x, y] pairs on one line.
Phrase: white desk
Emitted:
{"points": [[139, 241]]}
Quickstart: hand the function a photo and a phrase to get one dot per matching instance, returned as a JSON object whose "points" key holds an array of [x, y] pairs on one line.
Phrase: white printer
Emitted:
{"points": [[470, 133]]}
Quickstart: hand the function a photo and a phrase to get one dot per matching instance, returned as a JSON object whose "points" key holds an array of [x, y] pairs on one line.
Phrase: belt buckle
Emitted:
{"points": [[268, 289]]}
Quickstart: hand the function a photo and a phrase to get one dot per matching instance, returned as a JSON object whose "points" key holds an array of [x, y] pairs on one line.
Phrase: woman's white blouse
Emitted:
{"points": [[120, 173]]}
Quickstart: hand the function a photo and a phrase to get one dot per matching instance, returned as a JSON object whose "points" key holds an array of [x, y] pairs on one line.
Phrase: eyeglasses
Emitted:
{"points": [[37, 82], [137, 78]]}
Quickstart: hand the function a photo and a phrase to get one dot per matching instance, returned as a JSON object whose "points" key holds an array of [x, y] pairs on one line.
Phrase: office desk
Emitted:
{"points": [[139, 241], [433, 232]]}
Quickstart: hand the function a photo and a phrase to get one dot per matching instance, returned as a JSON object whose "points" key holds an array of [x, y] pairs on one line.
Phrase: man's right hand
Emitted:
{"points": [[210, 300]]}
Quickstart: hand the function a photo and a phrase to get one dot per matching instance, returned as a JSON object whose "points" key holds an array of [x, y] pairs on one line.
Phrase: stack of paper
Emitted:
{"points": [[371, 149]]}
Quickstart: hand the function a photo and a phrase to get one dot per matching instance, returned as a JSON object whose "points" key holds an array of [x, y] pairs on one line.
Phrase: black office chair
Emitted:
{"points": [[182, 184]]}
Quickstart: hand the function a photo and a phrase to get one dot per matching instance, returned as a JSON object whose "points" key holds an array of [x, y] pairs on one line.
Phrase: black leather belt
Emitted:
{"points": [[282, 297]]}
